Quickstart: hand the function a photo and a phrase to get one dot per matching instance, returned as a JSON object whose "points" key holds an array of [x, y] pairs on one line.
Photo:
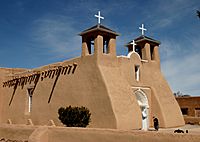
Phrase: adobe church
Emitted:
{"points": [[121, 92]]}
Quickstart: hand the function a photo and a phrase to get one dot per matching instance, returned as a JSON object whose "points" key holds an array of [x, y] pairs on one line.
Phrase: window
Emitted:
{"points": [[137, 72], [90, 46], [106, 49], [152, 52], [197, 112], [30, 97], [184, 111], [138, 50]]}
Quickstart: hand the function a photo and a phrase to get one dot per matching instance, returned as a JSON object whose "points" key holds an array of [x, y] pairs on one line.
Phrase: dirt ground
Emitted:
{"points": [[192, 129]]}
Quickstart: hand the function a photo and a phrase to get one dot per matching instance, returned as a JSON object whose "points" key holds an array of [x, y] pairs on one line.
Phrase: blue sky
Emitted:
{"points": [[39, 32]]}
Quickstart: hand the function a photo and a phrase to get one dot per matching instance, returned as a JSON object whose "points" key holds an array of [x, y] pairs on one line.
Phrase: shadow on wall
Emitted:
{"points": [[36, 77], [9, 140]]}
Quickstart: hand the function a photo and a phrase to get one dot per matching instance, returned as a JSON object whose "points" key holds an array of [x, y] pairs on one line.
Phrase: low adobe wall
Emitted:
{"points": [[61, 134], [192, 120], [15, 132], [24, 133]]}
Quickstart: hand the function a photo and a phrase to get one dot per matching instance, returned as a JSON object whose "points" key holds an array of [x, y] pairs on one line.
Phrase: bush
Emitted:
{"points": [[74, 116]]}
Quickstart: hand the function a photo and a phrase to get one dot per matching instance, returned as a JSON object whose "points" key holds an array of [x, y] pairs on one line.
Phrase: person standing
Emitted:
{"points": [[155, 123]]}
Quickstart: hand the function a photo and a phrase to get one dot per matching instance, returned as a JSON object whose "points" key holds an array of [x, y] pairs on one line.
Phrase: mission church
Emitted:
{"points": [[121, 92]]}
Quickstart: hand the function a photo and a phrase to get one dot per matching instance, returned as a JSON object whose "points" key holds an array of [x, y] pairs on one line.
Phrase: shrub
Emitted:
{"points": [[74, 116]]}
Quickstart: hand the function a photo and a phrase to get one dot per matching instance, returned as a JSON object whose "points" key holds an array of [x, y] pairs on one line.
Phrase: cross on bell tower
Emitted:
{"points": [[133, 43], [142, 29], [99, 17]]}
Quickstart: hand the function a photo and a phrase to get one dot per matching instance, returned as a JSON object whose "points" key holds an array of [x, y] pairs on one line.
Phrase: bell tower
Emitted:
{"points": [[98, 40], [145, 46]]}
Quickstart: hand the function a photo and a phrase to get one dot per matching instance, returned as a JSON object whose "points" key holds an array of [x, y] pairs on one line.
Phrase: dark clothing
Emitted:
{"points": [[179, 131], [156, 124]]}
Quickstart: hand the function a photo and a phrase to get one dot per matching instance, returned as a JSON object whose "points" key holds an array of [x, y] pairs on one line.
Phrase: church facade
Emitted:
{"points": [[121, 92]]}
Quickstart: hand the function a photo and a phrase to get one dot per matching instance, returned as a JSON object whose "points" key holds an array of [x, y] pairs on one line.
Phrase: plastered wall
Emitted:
{"points": [[104, 84]]}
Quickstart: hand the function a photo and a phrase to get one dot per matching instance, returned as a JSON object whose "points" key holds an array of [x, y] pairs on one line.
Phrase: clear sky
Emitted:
{"points": [[39, 32]]}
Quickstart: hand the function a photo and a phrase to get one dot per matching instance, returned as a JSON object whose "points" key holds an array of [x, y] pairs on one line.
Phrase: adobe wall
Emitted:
{"points": [[162, 96], [125, 106], [105, 84], [16, 132], [5, 74], [163, 102], [191, 120], [111, 135], [84, 88], [189, 102], [192, 104], [91, 85], [70, 134]]}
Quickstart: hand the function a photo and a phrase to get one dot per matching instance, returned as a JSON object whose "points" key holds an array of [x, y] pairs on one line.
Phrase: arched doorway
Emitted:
{"points": [[144, 106]]}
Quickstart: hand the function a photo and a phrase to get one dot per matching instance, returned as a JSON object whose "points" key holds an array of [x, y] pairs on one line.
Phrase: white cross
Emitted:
{"points": [[133, 43], [142, 29], [99, 17]]}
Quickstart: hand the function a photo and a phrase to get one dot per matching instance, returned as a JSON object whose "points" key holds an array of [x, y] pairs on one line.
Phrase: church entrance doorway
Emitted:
{"points": [[144, 106]]}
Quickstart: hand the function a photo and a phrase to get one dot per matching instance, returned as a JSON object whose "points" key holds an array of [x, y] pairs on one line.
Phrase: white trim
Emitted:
{"points": [[130, 53], [29, 103], [143, 94], [146, 61], [144, 106], [122, 56], [138, 87], [29, 98]]}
